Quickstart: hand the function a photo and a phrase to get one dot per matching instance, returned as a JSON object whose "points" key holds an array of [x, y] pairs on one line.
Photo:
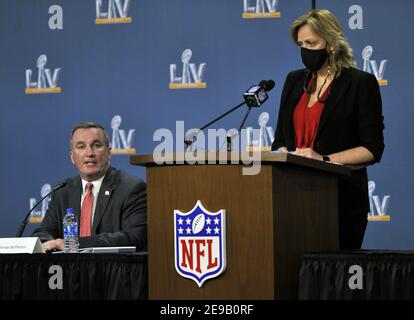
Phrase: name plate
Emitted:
{"points": [[20, 245]]}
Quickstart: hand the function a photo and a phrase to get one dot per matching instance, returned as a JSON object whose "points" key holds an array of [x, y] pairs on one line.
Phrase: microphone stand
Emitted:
{"points": [[244, 119], [24, 221], [255, 96], [188, 142], [230, 138]]}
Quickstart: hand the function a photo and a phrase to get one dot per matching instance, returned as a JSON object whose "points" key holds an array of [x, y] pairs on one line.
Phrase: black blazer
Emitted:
{"points": [[120, 217], [352, 117]]}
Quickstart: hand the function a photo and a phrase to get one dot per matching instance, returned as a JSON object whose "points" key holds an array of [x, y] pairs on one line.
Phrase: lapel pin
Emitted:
{"points": [[107, 193]]}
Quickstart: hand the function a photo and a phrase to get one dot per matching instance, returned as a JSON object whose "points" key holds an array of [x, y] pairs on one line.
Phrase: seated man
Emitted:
{"points": [[110, 204]]}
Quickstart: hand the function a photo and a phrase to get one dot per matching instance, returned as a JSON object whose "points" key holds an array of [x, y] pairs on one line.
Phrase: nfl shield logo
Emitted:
{"points": [[200, 243]]}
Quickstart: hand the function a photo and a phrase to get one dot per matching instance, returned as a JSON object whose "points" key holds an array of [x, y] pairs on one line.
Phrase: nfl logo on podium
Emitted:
{"points": [[200, 243]]}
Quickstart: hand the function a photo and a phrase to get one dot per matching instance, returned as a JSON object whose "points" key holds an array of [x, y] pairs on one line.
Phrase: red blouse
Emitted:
{"points": [[306, 120]]}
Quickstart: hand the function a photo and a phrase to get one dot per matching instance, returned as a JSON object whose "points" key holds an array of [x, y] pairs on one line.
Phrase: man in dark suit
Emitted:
{"points": [[110, 204]]}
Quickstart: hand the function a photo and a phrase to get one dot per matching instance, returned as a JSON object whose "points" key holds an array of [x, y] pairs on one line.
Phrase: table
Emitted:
{"points": [[80, 276]]}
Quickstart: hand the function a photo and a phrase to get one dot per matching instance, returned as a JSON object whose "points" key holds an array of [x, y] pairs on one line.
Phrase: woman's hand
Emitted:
{"points": [[308, 153]]}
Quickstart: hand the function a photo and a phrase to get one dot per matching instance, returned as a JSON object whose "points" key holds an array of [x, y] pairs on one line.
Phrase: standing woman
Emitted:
{"points": [[332, 111]]}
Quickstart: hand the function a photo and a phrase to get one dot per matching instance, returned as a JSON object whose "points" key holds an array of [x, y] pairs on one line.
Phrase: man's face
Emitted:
{"points": [[89, 153]]}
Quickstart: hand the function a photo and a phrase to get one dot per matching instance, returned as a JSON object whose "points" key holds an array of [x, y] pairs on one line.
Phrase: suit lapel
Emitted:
{"points": [[105, 193], [339, 88], [75, 196]]}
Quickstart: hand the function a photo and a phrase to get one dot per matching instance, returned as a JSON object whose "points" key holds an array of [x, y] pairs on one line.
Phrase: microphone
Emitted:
{"points": [[24, 221], [256, 95]]}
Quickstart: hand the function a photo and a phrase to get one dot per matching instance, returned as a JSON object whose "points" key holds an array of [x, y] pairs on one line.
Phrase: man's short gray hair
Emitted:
{"points": [[88, 125]]}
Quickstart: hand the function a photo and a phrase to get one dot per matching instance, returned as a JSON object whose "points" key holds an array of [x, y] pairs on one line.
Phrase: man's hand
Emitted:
{"points": [[57, 244]]}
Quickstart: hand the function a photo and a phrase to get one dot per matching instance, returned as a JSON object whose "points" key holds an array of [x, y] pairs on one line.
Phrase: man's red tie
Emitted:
{"points": [[86, 212]]}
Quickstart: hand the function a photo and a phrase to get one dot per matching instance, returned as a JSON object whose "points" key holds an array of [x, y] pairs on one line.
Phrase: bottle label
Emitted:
{"points": [[71, 230]]}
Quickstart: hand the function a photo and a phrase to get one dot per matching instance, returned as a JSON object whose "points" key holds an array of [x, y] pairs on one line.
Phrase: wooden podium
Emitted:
{"points": [[289, 207]]}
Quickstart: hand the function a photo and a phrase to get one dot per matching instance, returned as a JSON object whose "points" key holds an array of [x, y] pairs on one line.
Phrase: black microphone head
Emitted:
{"points": [[267, 84], [61, 185]]}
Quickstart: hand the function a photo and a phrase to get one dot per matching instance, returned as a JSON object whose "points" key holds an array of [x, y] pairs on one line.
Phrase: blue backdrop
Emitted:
{"points": [[66, 61]]}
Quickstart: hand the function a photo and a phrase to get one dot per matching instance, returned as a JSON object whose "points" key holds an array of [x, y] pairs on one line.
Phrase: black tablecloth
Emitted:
{"points": [[386, 275], [85, 276]]}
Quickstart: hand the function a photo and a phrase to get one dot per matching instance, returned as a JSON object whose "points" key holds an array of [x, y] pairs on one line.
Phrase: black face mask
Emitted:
{"points": [[313, 59]]}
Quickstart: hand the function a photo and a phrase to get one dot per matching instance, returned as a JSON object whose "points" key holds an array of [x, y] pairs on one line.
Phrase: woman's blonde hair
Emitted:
{"points": [[327, 26]]}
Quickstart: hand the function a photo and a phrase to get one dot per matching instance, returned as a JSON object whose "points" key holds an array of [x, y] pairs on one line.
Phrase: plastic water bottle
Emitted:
{"points": [[70, 232]]}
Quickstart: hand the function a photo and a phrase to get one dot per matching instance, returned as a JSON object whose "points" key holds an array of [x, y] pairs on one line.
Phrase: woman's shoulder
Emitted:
{"points": [[357, 74], [357, 79], [295, 76], [350, 72]]}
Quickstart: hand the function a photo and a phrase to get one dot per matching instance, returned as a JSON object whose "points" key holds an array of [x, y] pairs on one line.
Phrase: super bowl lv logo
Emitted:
{"points": [[121, 143], [253, 9], [191, 77], [378, 208], [200, 243], [46, 81], [37, 215], [371, 66], [117, 12], [266, 135]]}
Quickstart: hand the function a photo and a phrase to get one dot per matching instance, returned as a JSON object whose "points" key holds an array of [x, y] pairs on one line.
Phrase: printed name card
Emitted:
{"points": [[20, 245]]}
